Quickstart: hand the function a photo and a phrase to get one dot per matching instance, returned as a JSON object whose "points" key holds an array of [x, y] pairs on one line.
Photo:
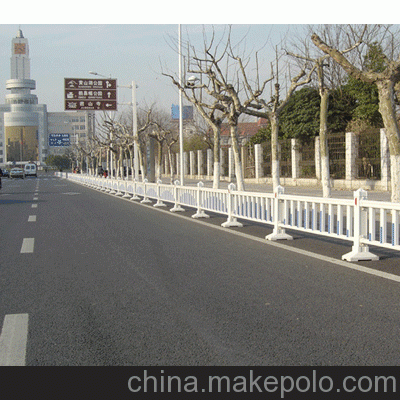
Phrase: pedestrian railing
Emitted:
{"points": [[357, 220]]}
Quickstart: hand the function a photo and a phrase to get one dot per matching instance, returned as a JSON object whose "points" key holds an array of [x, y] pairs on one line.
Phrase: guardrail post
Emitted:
{"points": [[103, 184], [395, 228], [232, 205], [96, 184], [112, 191], [278, 233], [135, 196], [119, 193], [360, 251], [126, 195], [176, 206], [145, 198], [159, 201], [199, 213]]}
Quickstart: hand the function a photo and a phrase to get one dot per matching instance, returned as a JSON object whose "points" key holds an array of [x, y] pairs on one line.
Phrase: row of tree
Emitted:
{"points": [[355, 68], [229, 85]]}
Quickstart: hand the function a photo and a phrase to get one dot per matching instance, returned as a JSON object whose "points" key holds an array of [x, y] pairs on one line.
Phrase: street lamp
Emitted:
{"points": [[95, 73], [191, 81]]}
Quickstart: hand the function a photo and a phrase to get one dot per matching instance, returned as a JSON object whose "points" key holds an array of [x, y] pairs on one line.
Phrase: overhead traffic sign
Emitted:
{"points": [[90, 94]]}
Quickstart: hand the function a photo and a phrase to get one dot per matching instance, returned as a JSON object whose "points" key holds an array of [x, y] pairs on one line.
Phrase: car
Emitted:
{"points": [[17, 173], [30, 169], [6, 173]]}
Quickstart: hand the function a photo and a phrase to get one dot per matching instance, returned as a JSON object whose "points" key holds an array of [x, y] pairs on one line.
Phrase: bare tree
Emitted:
{"points": [[385, 82], [105, 139], [219, 95], [162, 132], [117, 137], [257, 105], [321, 64]]}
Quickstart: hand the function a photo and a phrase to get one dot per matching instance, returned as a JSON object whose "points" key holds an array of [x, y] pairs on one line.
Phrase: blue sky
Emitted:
{"points": [[130, 44], [127, 52]]}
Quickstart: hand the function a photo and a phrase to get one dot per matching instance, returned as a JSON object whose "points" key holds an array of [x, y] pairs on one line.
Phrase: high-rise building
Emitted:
{"points": [[27, 131]]}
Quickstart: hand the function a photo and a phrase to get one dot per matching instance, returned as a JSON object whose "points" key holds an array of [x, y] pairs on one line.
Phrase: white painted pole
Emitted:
{"points": [[135, 132], [180, 110]]}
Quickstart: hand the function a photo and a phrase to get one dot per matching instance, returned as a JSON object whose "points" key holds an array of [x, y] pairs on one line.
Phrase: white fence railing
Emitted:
{"points": [[359, 220]]}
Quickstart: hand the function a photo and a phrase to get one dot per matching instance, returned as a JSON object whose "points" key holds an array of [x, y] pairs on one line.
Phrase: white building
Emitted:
{"points": [[27, 131]]}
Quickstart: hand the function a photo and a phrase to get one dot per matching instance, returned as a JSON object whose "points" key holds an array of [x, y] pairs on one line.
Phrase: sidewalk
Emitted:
{"points": [[295, 190]]}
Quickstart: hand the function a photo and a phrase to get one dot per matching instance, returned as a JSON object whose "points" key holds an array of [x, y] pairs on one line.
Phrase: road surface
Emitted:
{"points": [[87, 278]]}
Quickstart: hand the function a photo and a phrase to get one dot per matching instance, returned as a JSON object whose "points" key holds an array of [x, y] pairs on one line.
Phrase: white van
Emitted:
{"points": [[30, 169]]}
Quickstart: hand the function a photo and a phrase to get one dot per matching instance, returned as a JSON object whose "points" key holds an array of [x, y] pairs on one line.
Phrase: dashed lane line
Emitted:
{"points": [[32, 218], [28, 245], [13, 340]]}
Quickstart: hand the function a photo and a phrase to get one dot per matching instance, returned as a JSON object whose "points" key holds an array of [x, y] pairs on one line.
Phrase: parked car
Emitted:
{"points": [[6, 173], [17, 173], [30, 169]]}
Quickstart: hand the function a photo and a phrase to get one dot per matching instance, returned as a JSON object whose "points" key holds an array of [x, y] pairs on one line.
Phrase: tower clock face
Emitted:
{"points": [[19, 48]]}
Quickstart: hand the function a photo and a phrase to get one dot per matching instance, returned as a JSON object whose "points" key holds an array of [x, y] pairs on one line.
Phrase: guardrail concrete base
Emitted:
{"points": [[360, 253]]}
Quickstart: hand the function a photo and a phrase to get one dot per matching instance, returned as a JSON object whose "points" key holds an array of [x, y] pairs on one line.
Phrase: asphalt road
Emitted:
{"points": [[107, 281]]}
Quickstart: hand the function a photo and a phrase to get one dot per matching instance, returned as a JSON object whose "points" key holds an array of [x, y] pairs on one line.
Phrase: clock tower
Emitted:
{"points": [[24, 119], [20, 62]]}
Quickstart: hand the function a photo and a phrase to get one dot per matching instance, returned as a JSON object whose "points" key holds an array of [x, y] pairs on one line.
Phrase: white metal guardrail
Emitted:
{"points": [[359, 220]]}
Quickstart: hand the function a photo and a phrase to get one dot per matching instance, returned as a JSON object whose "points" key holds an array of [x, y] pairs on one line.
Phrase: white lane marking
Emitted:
{"points": [[34, 205], [13, 340], [35, 198], [32, 218], [27, 245]]}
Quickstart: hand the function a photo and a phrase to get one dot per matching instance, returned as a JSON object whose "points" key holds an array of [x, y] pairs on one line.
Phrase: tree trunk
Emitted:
{"points": [[217, 162], [171, 166], [108, 161], [120, 163], [141, 163], [275, 152], [140, 156], [387, 110], [131, 161], [159, 160], [323, 137], [236, 155]]}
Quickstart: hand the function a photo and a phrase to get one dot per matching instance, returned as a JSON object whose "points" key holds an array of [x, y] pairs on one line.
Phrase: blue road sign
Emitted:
{"points": [[59, 139]]}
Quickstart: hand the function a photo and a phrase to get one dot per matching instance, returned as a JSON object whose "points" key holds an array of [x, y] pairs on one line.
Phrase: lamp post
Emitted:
{"points": [[133, 86], [180, 109]]}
